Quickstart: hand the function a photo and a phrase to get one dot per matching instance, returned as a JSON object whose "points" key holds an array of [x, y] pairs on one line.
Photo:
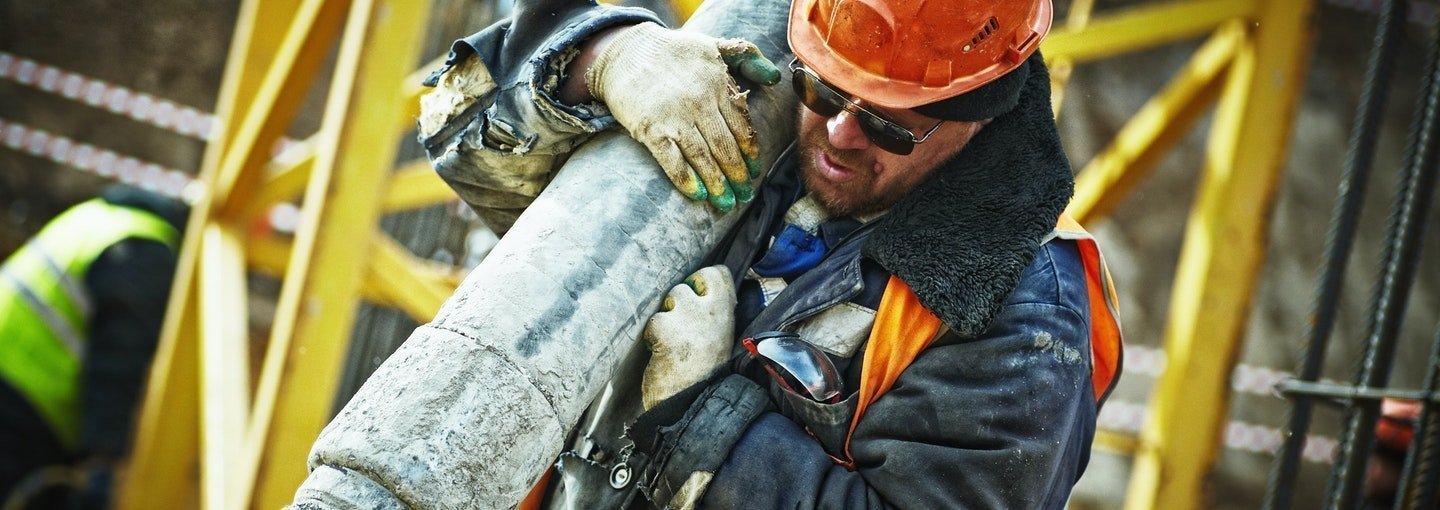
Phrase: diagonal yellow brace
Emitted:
{"points": [[1150, 134], [413, 285], [307, 42], [163, 469], [416, 185], [1061, 69], [395, 278], [317, 303], [259, 34], [270, 255], [1220, 261], [1142, 27], [287, 174], [285, 179]]}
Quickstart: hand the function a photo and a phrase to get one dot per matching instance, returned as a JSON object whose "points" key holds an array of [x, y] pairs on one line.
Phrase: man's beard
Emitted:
{"points": [[856, 197]]}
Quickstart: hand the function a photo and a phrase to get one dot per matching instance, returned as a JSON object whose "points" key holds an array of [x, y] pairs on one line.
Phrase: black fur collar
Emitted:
{"points": [[963, 237]]}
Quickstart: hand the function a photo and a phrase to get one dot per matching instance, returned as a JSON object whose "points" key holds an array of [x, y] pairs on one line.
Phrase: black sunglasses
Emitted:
{"points": [[826, 101]]}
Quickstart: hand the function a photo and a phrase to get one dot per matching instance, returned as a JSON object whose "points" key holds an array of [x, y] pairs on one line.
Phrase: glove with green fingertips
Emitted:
{"points": [[674, 91]]}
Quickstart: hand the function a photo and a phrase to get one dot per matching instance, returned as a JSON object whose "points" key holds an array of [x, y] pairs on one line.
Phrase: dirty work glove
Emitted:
{"points": [[690, 336], [670, 89], [682, 450]]}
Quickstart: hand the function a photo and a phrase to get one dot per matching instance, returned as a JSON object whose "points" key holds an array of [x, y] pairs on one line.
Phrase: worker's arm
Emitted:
{"points": [[516, 98], [493, 127], [129, 285]]}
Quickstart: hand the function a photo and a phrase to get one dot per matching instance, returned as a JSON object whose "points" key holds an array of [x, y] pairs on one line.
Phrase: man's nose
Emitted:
{"points": [[844, 131]]}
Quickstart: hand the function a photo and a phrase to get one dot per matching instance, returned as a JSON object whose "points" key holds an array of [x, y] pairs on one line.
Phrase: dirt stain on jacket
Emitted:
{"points": [[1063, 353]]}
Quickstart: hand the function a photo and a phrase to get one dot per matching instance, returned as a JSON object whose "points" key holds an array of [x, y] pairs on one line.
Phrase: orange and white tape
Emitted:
{"points": [[1247, 379], [139, 106], [102, 162], [161, 113], [1129, 417]]}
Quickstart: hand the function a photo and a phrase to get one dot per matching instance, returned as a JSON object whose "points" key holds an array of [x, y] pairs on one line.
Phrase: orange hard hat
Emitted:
{"points": [[909, 53]]}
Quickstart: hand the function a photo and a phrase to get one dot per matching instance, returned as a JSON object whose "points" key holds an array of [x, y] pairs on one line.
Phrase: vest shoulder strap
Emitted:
{"points": [[1106, 339], [903, 328]]}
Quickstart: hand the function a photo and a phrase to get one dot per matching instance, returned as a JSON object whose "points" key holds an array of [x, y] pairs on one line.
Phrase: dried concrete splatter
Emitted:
{"points": [[1063, 353]]}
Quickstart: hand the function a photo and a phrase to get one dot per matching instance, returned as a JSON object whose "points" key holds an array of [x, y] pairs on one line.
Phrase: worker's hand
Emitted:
{"points": [[674, 92], [690, 336]]}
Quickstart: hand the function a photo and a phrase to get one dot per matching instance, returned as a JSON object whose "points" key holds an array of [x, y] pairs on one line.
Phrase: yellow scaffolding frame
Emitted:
{"points": [[1254, 65], [214, 445]]}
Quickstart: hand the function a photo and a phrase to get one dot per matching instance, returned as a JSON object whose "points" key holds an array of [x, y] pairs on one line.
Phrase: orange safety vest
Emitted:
{"points": [[901, 319]]}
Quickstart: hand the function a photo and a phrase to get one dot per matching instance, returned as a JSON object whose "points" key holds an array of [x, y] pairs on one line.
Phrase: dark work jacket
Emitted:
{"points": [[998, 413], [1003, 419], [131, 286]]}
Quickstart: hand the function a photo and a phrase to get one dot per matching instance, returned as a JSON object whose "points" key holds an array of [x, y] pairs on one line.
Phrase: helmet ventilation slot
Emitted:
{"points": [[986, 30]]}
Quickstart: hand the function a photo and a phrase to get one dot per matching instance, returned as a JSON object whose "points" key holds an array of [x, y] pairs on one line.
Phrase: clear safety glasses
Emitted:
{"points": [[799, 366], [827, 101]]}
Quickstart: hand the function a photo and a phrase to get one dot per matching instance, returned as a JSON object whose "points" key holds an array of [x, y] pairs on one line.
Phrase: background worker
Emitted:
{"points": [[919, 333], [81, 305]]}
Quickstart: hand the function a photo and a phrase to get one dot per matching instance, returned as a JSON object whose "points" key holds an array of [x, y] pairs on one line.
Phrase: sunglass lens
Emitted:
{"points": [[825, 102], [815, 95], [883, 135]]}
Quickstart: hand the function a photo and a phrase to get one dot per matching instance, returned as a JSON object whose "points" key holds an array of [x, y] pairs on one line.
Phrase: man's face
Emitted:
{"points": [[850, 175]]}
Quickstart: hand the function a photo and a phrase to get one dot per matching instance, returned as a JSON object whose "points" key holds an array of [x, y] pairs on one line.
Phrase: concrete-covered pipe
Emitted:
{"points": [[476, 405]]}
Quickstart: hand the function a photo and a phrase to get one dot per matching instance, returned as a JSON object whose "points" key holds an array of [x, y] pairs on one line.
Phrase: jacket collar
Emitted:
{"points": [[963, 237]]}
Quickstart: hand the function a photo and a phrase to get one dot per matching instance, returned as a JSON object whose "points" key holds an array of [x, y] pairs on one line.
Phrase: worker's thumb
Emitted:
{"points": [[677, 312], [745, 59], [713, 280], [700, 306]]}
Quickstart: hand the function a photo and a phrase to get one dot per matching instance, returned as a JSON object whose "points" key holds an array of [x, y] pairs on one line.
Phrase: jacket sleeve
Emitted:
{"points": [[493, 128], [130, 284], [1003, 421]]}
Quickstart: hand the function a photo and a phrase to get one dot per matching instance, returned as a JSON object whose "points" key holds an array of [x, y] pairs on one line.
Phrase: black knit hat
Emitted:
{"points": [[987, 102]]}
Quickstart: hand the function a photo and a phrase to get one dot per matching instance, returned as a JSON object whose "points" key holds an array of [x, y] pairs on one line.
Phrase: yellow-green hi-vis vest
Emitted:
{"points": [[45, 309]]}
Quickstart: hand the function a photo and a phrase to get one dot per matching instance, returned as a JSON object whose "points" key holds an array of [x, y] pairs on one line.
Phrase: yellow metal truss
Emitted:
{"points": [[205, 441], [213, 444], [1252, 68]]}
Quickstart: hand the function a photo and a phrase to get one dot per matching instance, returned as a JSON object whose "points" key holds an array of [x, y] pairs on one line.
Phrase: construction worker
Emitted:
{"points": [[902, 316], [81, 305]]}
